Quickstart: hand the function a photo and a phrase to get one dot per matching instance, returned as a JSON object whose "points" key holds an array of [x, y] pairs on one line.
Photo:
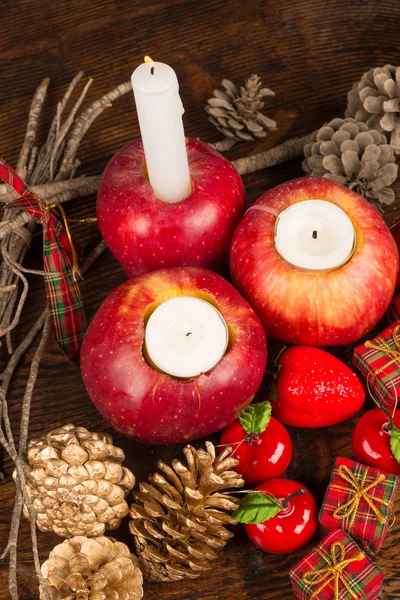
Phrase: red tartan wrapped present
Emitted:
{"points": [[378, 361], [360, 501], [337, 569]]}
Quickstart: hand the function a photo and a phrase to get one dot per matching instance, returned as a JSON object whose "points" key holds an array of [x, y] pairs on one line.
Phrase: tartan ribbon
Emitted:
{"points": [[359, 492], [67, 316], [383, 346], [337, 563]]}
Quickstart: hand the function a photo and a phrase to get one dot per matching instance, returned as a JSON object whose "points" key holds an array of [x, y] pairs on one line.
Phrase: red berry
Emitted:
{"points": [[371, 441], [315, 389], [293, 527], [261, 456]]}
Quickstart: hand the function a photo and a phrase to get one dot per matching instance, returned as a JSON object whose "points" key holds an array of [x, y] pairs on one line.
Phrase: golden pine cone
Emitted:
{"points": [[76, 482], [346, 151], [179, 517], [375, 99], [236, 113], [92, 569]]}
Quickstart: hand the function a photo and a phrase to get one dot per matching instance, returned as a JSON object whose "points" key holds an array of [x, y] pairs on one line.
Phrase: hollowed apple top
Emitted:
{"points": [[314, 235]]}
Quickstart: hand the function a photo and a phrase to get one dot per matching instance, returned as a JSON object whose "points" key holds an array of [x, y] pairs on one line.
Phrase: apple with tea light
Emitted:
{"points": [[316, 261], [167, 200], [173, 355]]}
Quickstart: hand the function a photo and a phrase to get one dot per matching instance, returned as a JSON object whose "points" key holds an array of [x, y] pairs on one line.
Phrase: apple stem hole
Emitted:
{"points": [[387, 427], [252, 437], [300, 492]]}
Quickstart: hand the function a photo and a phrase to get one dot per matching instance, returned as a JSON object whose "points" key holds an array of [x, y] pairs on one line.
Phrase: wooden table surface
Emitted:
{"points": [[309, 52]]}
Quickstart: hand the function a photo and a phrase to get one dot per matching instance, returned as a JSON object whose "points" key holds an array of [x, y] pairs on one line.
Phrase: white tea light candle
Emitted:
{"points": [[160, 110], [314, 235], [186, 336]]}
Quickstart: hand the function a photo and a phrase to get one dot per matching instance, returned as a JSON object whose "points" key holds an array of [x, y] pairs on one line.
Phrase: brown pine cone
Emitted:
{"points": [[375, 100], [76, 482], [346, 151], [92, 569], [179, 517], [236, 113]]}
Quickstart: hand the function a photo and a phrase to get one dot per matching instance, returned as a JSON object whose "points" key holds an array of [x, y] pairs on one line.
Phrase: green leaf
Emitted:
{"points": [[256, 417], [395, 443], [257, 507]]}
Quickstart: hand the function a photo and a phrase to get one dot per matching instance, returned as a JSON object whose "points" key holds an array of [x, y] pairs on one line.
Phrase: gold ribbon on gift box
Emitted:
{"points": [[334, 571], [383, 346], [360, 491]]}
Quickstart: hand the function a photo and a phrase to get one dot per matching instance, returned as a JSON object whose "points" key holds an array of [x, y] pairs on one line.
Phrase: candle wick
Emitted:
{"points": [[152, 70], [314, 234], [189, 333]]}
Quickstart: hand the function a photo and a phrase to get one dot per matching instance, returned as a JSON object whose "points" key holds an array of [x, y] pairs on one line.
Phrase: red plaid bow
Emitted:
{"points": [[67, 317]]}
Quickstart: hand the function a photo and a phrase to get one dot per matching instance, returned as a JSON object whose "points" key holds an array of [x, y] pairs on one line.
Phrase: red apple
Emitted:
{"points": [[154, 407], [395, 231], [371, 441], [262, 454], [294, 522], [145, 233], [315, 308]]}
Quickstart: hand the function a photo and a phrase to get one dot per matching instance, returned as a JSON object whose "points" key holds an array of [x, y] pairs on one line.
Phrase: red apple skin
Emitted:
{"points": [[395, 231], [314, 308], [290, 529], [371, 443], [265, 456], [153, 407], [145, 233]]}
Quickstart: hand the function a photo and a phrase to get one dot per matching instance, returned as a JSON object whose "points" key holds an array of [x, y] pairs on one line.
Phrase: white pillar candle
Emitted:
{"points": [[186, 336], [160, 110], [314, 235]]}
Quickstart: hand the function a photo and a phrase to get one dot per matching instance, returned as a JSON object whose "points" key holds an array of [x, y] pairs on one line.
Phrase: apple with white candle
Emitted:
{"points": [[316, 261], [167, 200], [173, 355]]}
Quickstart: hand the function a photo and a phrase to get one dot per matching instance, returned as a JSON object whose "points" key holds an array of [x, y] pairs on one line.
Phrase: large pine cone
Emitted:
{"points": [[92, 569], [76, 482], [236, 113], [348, 152], [179, 516], [375, 99]]}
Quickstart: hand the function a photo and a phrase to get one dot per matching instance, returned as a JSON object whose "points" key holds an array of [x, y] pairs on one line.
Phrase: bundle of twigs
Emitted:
{"points": [[50, 171]]}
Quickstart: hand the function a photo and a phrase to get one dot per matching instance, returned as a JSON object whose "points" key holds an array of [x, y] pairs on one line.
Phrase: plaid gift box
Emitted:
{"points": [[336, 570], [360, 501], [378, 361]]}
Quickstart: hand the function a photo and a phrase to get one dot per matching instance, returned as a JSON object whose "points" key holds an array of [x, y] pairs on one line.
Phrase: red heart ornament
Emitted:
{"points": [[315, 389]]}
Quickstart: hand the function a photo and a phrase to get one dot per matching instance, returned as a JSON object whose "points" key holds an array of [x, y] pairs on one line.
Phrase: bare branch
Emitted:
{"points": [[33, 120], [287, 151]]}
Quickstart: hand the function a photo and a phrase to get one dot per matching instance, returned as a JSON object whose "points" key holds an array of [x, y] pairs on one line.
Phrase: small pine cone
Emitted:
{"points": [[76, 482], [179, 516], [375, 100], [236, 113], [92, 569], [346, 151]]}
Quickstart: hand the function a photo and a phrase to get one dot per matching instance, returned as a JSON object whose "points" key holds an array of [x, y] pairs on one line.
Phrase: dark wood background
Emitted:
{"points": [[309, 52]]}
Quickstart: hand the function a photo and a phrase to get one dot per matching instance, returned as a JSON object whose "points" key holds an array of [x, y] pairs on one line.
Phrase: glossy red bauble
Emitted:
{"points": [[293, 527], [261, 456], [145, 233], [315, 389], [371, 441], [315, 308], [154, 407]]}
